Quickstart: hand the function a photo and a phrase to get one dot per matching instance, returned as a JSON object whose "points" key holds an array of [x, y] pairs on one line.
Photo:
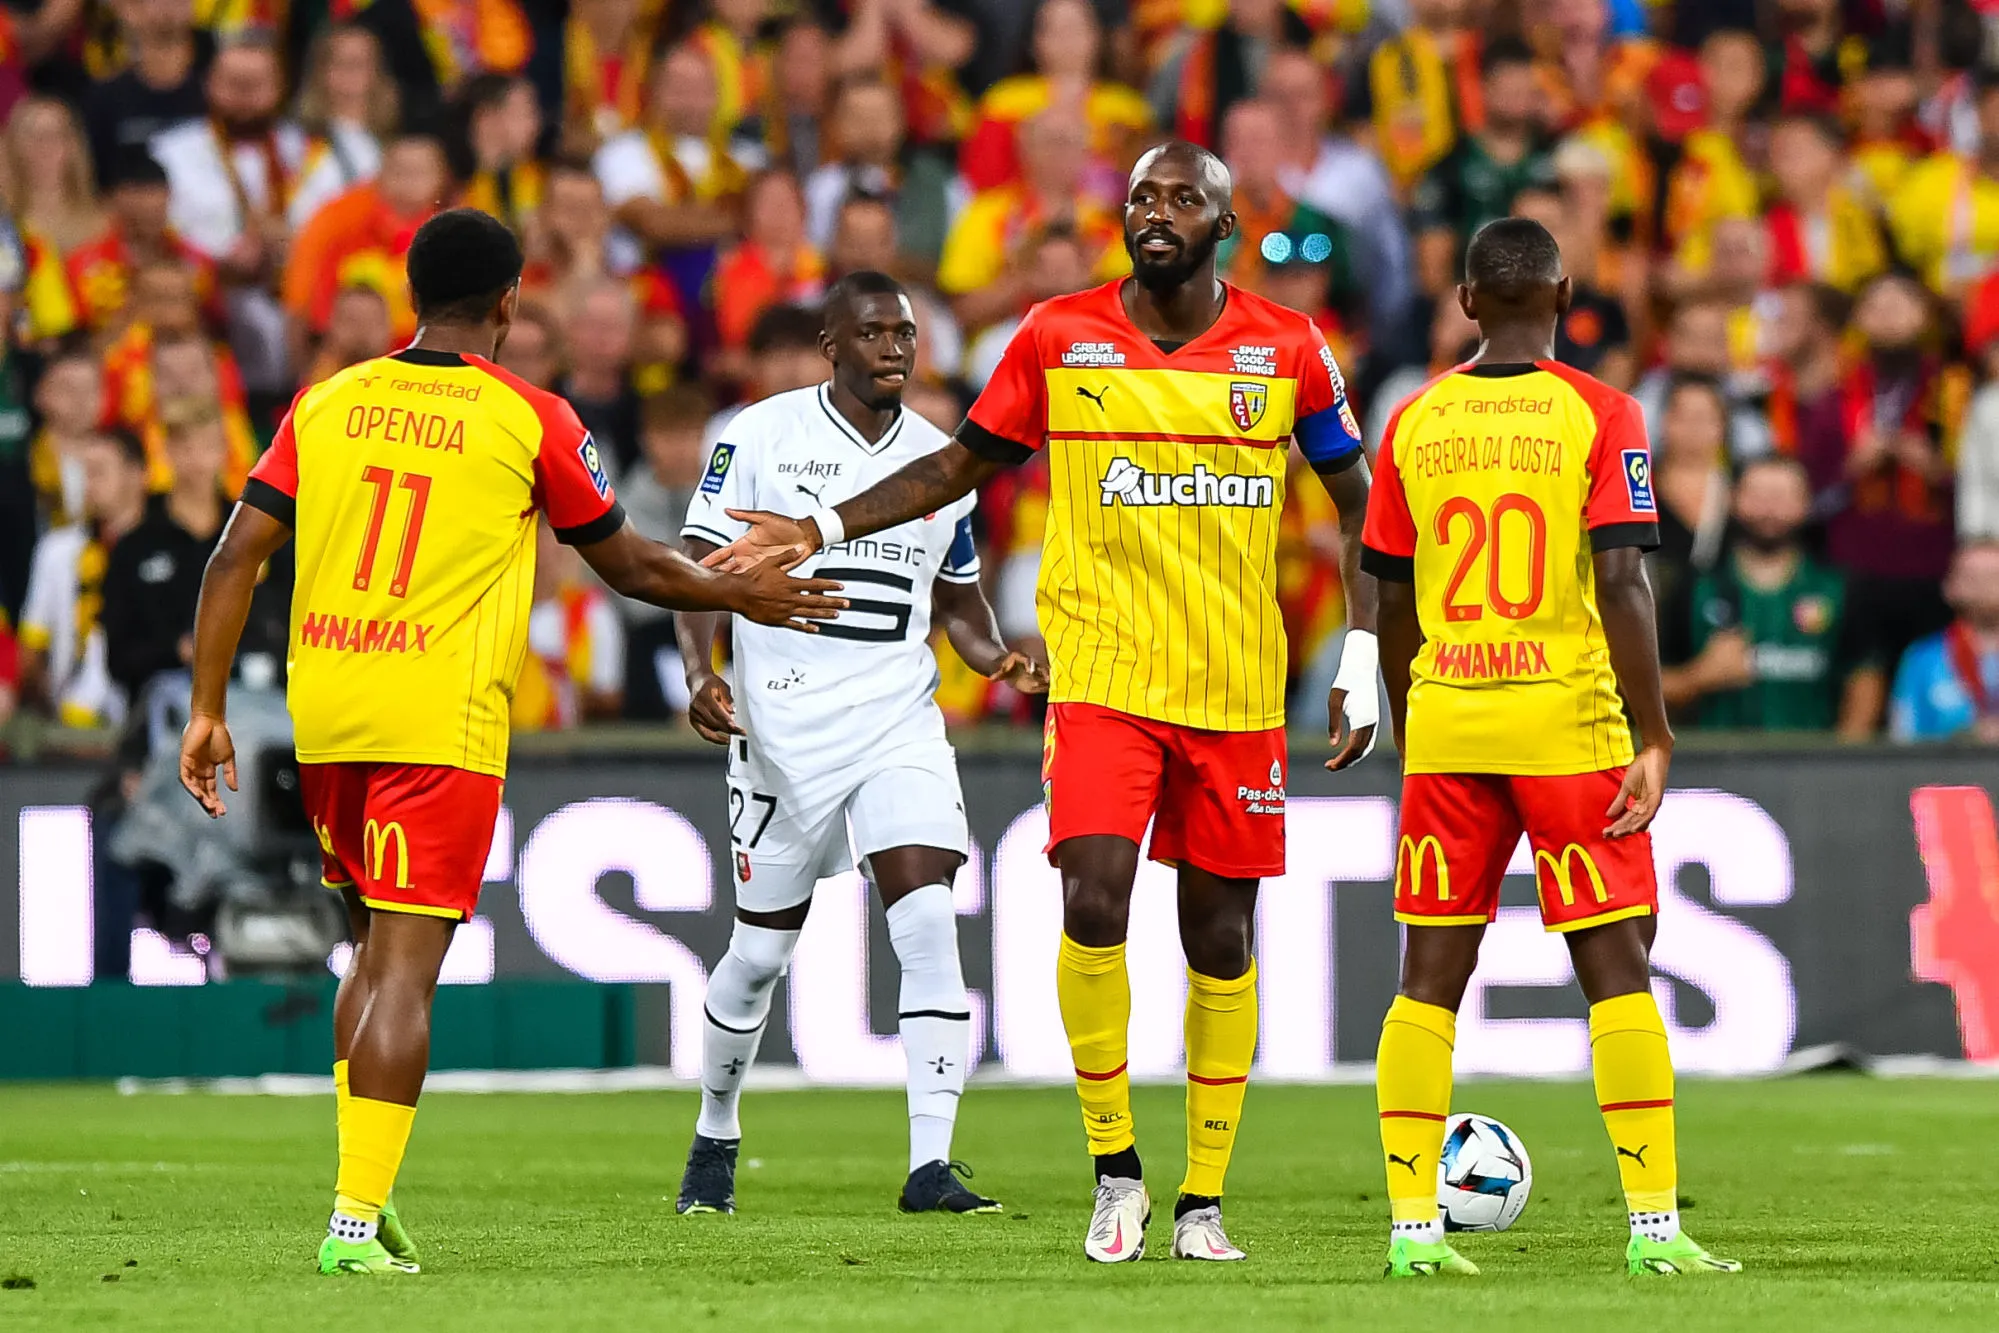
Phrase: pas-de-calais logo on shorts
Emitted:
{"points": [[1268, 800], [1638, 481]]}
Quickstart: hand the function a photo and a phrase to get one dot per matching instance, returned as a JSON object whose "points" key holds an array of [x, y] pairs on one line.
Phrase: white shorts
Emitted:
{"points": [[781, 844]]}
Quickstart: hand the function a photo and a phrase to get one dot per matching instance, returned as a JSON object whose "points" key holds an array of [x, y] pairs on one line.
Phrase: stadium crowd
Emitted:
{"points": [[1782, 221]]}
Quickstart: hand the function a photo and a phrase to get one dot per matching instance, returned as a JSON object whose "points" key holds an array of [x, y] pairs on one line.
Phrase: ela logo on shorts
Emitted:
{"points": [[1638, 481], [593, 463], [718, 468]]}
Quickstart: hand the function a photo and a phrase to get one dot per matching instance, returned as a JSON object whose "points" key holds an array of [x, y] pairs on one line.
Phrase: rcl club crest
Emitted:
{"points": [[1246, 402]]}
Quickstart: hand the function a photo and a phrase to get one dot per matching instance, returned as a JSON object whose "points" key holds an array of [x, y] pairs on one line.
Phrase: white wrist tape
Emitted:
{"points": [[831, 530], [1359, 673]]}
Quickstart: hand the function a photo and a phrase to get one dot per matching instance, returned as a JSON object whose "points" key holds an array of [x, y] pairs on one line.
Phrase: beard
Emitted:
{"points": [[1160, 276], [248, 127], [1767, 541]]}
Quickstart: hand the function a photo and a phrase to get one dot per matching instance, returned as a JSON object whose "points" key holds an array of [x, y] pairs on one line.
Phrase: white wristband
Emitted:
{"points": [[1360, 668], [831, 530]]}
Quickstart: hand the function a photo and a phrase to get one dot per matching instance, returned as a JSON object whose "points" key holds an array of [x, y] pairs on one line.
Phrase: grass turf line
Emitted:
{"points": [[1855, 1203]]}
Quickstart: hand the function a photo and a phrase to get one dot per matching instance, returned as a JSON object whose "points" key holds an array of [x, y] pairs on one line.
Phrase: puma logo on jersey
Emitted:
{"points": [[810, 493], [1097, 397], [1125, 482]]}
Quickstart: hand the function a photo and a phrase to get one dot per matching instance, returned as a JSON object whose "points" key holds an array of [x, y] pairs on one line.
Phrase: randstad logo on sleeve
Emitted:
{"points": [[718, 468], [1638, 481], [1126, 483]]}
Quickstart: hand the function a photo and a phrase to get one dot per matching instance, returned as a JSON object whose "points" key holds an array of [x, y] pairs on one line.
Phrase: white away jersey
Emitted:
{"points": [[818, 705]]}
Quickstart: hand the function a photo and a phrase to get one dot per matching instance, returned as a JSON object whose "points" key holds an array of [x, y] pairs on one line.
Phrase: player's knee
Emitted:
{"points": [[1095, 914], [1220, 946], [760, 953]]}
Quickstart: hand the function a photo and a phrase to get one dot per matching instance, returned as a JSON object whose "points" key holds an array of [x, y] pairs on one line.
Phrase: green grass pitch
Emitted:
{"points": [[1856, 1204]]}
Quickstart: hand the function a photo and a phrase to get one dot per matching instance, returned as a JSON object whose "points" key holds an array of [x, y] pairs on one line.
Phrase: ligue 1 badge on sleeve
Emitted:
{"points": [[1638, 481], [718, 468], [593, 463]]}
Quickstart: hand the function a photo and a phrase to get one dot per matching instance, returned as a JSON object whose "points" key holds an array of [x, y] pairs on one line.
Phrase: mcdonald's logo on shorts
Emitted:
{"points": [[376, 839], [1558, 870], [1412, 852]]}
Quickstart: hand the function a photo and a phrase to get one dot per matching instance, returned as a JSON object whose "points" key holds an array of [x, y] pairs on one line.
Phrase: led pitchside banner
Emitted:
{"points": [[1829, 896]]}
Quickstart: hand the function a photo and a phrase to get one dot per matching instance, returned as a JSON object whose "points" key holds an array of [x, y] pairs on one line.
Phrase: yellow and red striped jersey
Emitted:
{"points": [[1158, 587], [411, 482], [1495, 485]]}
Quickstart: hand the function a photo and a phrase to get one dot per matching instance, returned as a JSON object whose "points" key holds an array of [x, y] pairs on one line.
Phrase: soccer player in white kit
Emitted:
{"points": [[839, 731]]}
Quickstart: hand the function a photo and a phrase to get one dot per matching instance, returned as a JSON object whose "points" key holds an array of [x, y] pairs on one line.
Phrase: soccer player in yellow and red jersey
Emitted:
{"points": [[412, 482], [1512, 504], [1167, 403]]}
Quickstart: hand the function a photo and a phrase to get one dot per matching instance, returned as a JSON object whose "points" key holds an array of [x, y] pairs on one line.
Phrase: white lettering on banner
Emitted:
{"points": [[1328, 839], [55, 895], [831, 1031], [671, 871], [1745, 977], [156, 962]]}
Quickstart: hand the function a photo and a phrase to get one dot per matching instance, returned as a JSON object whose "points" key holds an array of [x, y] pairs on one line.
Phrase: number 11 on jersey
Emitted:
{"points": [[385, 483]]}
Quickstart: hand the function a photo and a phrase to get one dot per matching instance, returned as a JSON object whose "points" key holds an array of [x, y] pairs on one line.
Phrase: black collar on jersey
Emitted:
{"points": [[1493, 370], [1169, 346], [425, 356], [847, 427]]}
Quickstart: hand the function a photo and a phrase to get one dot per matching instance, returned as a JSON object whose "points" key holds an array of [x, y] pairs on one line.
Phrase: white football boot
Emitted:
{"points": [[1199, 1235], [1117, 1227]]}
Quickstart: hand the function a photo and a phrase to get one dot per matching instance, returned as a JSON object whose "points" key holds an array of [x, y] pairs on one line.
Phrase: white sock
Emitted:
{"points": [[738, 1003], [1661, 1227], [347, 1227], [935, 1017], [1423, 1233]]}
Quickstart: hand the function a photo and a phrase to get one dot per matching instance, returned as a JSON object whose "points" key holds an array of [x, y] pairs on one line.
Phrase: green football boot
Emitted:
{"points": [[395, 1237], [1678, 1257], [366, 1258], [1414, 1258]]}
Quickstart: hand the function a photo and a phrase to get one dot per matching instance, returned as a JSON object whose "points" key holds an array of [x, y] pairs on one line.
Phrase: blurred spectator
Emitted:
{"points": [[673, 182], [787, 127], [361, 237], [467, 38], [66, 668], [917, 48], [863, 238], [69, 398], [607, 50], [1271, 226], [1204, 70], [600, 334], [159, 85], [655, 492], [976, 270], [1053, 264], [1887, 142], [731, 38], [1712, 179], [1594, 336], [1820, 227], [45, 178], [19, 502], [575, 663], [866, 134], [1697, 344], [533, 349], [1945, 212], [154, 575], [1690, 477], [164, 354], [1885, 480], [100, 272], [350, 106], [502, 127], [1760, 641], [1067, 83], [1475, 182], [774, 263], [357, 331], [1947, 687], [1422, 87], [1805, 410], [1332, 172], [784, 354]]}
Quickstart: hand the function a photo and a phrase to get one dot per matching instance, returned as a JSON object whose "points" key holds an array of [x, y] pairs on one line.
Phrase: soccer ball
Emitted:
{"points": [[1483, 1175]]}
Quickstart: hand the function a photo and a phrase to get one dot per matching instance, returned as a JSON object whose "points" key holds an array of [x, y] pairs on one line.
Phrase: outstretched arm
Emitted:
{"points": [[920, 487], [711, 707], [968, 621], [1351, 706], [650, 571], [251, 538], [1630, 624]]}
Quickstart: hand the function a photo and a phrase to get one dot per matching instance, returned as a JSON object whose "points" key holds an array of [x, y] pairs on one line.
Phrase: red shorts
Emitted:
{"points": [[412, 837], [1459, 831], [1218, 795]]}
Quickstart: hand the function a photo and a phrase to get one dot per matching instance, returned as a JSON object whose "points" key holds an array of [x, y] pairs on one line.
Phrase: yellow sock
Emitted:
{"points": [[340, 1095], [1095, 996], [1634, 1089], [1412, 1086], [1221, 1043], [371, 1150]]}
